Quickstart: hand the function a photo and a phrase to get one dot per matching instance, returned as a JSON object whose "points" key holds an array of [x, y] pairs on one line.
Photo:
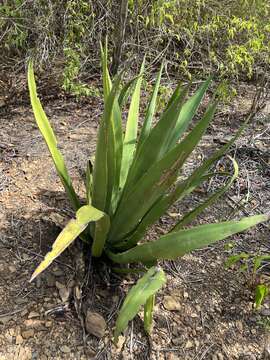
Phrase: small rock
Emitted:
{"points": [[189, 344], [197, 343], [28, 334], [19, 339], [12, 332], [172, 356], [65, 349], [33, 323], [185, 295], [48, 324], [64, 293], [120, 342], [171, 303], [239, 325], [12, 268], [95, 324], [177, 341], [33, 314], [9, 338]]}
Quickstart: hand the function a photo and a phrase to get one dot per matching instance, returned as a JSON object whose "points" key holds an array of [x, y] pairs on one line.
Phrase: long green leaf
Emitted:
{"points": [[101, 230], [126, 91], [147, 286], [181, 190], [113, 124], [176, 244], [157, 210], [187, 112], [211, 200], [107, 83], [150, 111], [104, 167], [50, 138], [73, 229], [156, 180], [131, 130], [148, 314], [115, 160], [155, 145]]}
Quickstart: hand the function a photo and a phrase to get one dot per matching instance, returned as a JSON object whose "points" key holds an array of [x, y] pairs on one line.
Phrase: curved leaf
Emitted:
{"points": [[211, 200], [131, 130], [50, 138], [147, 286], [73, 229], [176, 244]]}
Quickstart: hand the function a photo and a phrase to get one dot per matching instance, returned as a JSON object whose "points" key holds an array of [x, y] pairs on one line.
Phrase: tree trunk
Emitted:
{"points": [[120, 28]]}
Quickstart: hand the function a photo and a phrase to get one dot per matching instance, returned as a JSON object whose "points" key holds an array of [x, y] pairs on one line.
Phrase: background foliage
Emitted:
{"points": [[230, 38]]}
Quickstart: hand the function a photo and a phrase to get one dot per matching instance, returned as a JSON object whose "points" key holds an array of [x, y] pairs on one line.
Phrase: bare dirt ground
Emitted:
{"points": [[205, 312]]}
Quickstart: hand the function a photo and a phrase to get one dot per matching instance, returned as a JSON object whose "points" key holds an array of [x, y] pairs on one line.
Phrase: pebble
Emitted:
{"points": [[33, 323], [19, 339], [172, 356], [171, 303], [12, 268], [185, 295], [239, 325], [64, 293], [65, 349], [177, 341], [120, 342], [9, 338], [189, 344], [95, 324], [28, 334], [33, 314]]}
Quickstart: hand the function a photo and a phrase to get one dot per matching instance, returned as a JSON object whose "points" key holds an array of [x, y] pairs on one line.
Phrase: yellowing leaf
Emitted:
{"points": [[72, 230]]}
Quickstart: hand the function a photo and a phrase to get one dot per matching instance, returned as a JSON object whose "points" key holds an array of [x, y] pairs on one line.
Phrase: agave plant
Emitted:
{"points": [[135, 180]]}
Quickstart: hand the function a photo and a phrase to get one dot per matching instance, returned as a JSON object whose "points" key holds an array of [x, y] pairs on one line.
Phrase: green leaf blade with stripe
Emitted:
{"points": [[179, 243], [146, 287], [50, 139]]}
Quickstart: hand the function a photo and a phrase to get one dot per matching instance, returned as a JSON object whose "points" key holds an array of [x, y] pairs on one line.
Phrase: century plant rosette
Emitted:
{"points": [[134, 181]]}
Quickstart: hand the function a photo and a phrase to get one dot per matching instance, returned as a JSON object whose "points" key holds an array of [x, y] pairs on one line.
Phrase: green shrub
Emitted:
{"points": [[253, 263], [230, 38], [134, 182]]}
